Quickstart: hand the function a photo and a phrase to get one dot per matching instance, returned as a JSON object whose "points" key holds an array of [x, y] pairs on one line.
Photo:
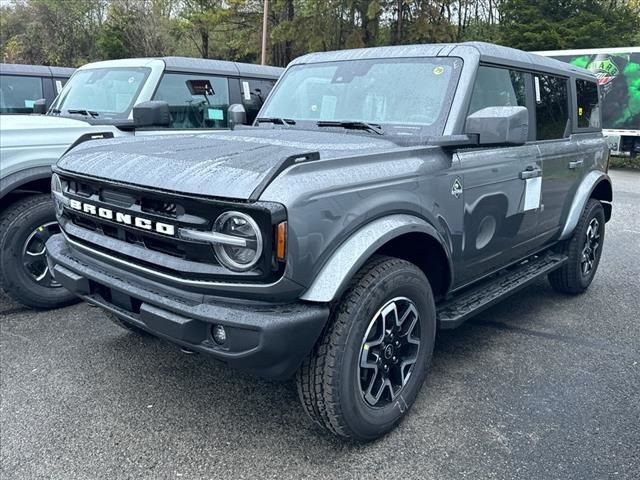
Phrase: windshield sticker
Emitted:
{"points": [[58, 86], [246, 90], [438, 70], [328, 108], [215, 114], [29, 103]]}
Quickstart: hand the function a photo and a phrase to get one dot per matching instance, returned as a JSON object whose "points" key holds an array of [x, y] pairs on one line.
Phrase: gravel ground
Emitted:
{"points": [[540, 386]]}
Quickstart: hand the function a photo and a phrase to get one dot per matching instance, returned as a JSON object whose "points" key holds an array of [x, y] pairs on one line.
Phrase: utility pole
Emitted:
{"points": [[265, 17]]}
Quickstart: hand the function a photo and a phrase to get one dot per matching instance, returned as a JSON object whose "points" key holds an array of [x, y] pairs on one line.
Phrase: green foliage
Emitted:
{"points": [[73, 32], [568, 24]]}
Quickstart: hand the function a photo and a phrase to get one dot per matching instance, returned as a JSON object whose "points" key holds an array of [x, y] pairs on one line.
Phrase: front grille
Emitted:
{"points": [[169, 253]]}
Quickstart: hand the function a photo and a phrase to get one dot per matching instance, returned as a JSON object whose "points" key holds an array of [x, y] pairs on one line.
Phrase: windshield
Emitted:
{"points": [[106, 93], [406, 96]]}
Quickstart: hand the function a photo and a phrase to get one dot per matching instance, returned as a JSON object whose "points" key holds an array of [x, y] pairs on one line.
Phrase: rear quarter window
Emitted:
{"points": [[588, 104]]}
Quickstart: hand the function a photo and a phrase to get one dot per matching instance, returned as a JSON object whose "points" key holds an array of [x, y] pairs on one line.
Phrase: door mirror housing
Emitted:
{"points": [[40, 106], [237, 115], [499, 125], [154, 113]]}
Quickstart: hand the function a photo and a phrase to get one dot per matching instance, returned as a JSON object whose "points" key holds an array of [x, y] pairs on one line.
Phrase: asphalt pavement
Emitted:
{"points": [[542, 386]]}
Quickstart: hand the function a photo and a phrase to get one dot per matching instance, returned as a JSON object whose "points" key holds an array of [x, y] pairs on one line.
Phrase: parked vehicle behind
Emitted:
{"points": [[388, 192], [21, 86], [119, 98], [618, 73]]}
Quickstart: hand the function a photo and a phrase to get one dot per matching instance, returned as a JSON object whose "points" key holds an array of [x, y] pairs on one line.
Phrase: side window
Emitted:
{"points": [[254, 93], [552, 107], [497, 87], [18, 93], [588, 106], [195, 101]]}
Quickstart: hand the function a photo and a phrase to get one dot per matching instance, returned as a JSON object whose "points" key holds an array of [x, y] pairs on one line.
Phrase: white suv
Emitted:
{"points": [[141, 97]]}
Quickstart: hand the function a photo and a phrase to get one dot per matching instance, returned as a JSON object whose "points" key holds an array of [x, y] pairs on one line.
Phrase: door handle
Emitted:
{"points": [[531, 172], [576, 164]]}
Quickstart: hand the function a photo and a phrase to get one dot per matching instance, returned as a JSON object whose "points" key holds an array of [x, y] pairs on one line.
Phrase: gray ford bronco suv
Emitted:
{"points": [[383, 193]]}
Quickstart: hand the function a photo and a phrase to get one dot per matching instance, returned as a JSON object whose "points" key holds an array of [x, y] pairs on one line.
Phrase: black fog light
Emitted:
{"points": [[219, 334]]}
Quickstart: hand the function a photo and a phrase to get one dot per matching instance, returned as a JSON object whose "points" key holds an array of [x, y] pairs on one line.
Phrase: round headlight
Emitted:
{"points": [[242, 256]]}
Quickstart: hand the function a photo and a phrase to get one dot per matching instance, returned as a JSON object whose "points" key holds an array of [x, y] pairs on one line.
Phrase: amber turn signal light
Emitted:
{"points": [[281, 241]]}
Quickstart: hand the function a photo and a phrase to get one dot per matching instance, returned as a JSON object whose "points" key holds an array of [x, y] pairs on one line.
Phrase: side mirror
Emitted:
{"points": [[499, 125], [154, 113], [40, 106], [237, 115]]}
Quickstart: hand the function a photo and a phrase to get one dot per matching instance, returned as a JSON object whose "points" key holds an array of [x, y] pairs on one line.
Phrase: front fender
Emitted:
{"points": [[336, 273], [583, 193]]}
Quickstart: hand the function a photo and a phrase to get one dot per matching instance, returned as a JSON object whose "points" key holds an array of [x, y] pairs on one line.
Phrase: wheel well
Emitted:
{"points": [[604, 193], [426, 253], [41, 185]]}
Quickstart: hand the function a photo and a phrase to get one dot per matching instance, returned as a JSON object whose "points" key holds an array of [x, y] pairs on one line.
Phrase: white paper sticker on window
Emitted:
{"points": [[536, 80], [246, 90], [533, 190], [58, 86], [328, 107]]}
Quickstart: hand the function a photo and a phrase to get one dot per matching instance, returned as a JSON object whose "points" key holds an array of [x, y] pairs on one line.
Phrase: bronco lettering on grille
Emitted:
{"points": [[123, 218]]}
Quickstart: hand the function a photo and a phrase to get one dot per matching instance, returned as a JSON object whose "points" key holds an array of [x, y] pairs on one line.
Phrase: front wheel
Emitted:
{"points": [[584, 249], [25, 226], [367, 369]]}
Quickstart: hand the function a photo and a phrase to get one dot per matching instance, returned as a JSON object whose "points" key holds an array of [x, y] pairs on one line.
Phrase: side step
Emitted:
{"points": [[453, 312]]}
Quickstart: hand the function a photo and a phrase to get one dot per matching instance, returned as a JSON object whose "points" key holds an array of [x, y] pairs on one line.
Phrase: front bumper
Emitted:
{"points": [[269, 340]]}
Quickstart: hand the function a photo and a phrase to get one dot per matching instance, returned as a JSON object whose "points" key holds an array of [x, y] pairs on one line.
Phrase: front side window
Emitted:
{"points": [[407, 96], [552, 107], [588, 105], [103, 93], [497, 87], [19, 93], [195, 101]]}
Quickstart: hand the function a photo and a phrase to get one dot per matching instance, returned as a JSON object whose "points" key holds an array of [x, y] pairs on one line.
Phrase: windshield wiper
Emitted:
{"points": [[352, 125], [276, 120], [86, 113]]}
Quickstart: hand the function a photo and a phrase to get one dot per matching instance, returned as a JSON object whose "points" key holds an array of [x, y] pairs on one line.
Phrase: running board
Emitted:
{"points": [[454, 311]]}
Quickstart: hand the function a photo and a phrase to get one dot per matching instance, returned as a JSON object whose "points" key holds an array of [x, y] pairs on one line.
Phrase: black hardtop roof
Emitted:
{"points": [[220, 67], [488, 52], [35, 70]]}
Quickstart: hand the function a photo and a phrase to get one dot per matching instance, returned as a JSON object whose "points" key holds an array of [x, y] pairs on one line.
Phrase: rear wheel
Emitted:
{"points": [[367, 369], [25, 227], [584, 249]]}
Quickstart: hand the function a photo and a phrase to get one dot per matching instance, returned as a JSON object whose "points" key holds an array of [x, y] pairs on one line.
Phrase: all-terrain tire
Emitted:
{"points": [[17, 222], [329, 381], [570, 278]]}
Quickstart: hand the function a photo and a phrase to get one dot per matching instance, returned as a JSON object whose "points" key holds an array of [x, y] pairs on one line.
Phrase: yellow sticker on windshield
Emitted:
{"points": [[438, 70]]}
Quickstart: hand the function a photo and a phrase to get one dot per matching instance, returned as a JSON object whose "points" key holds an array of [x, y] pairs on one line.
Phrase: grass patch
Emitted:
{"points": [[625, 162]]}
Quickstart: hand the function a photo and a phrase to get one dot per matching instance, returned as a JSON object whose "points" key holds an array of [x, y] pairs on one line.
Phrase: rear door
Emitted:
{"points": [[557, 149], [500, 220]]}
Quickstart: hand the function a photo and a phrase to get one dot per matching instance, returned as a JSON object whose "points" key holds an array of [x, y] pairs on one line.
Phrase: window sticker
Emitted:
{"points": [[29, 103], [215, 114], [438, 70], [246, 90], [328, 107], [58, 86], [537, 85], [533, 190]]}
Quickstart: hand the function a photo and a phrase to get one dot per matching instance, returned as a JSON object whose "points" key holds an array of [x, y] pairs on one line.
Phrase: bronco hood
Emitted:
{"points": [[236, 164]]}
